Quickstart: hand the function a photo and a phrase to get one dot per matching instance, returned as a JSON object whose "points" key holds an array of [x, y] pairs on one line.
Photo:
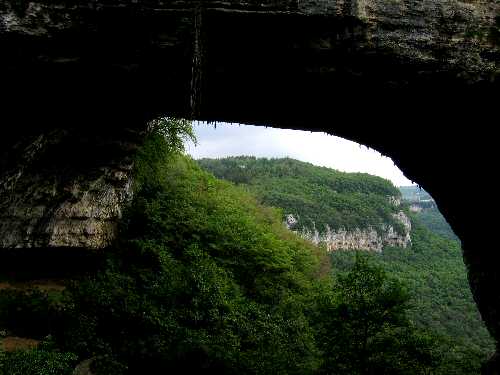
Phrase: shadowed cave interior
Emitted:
{"points": [[103, 71]]}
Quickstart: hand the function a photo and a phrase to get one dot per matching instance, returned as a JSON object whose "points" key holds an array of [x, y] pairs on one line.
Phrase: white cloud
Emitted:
{"points": [[316, 148]]}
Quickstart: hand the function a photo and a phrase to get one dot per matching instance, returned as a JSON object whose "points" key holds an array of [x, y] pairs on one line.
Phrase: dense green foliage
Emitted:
{"points": [[432, 268], [318, 196], [429, 215], [433, 220], [203, 279], [365, 328], [206, 279], [40, 361], [441, 301]]}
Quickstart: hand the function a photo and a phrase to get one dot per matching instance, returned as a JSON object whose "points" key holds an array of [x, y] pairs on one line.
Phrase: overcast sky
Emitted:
{"points": [[316, 148]]}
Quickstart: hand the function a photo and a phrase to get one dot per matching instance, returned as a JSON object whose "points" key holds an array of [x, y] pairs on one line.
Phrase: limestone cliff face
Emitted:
{"points": [[453, 34], [360, 238], [51, 195]]}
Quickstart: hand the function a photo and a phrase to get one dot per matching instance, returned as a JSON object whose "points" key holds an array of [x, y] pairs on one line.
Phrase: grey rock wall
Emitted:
{"points": [[66, 188], [370, 239]]}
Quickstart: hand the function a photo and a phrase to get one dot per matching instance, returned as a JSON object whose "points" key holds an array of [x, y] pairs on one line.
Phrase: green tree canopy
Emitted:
{"points": [[365, 329]]}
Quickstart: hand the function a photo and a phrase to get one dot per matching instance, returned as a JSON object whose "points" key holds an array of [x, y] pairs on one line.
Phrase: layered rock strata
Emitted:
{"points": [[65, 188], [371, 239]]}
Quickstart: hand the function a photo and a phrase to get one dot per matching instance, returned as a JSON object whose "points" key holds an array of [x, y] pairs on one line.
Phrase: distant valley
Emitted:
{"points": [[425, 208], [401, 228]]}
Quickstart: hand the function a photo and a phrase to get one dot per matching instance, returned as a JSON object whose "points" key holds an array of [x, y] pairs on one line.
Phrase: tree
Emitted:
{"points": [[365, 329], [202, 279]]}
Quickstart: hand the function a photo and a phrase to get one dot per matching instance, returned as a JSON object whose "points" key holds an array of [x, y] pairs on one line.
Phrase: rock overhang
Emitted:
{"points": [[416, 80], [245, 61]]}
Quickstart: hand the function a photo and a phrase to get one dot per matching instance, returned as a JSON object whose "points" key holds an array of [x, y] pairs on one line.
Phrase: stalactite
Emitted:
{"points": [[197, 61]]}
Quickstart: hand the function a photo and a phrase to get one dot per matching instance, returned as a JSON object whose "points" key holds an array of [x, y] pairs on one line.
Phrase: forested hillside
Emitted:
{"points": [[317, 196], [414, 193], [426, 211], [435, 276], [205, 279], [432, 268]]}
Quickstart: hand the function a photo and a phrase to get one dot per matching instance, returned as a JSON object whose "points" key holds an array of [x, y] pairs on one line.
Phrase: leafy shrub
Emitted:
{"points": [[203, 279], [440, 298], [365, 329], [37, 362]]}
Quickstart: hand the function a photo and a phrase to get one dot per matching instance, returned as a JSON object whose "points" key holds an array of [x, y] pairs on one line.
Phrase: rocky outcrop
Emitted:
{"points": [[370, 239], [51, 195]]}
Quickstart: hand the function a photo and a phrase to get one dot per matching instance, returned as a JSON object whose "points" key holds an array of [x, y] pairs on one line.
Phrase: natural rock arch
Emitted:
{"points": [[416, 80]]}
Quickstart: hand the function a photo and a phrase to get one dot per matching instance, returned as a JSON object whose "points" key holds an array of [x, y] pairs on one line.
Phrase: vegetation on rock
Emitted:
{"points": [[318, 196], [204, 278], [432, 269], [45, 360]]}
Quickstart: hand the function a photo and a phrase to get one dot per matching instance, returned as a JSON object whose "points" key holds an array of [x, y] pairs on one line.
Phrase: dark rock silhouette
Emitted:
{"points": [[373, 71]]}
